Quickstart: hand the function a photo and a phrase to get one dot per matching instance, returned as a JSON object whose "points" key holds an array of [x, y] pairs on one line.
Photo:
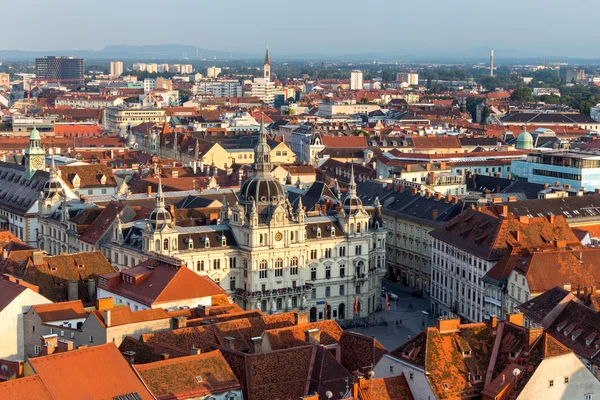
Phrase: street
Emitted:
{"points": [[392, 336]]}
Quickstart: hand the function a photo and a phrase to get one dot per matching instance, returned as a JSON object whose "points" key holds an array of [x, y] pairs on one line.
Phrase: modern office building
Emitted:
{"points": [[229, 88], [116, 68], [577, 169], [66, 70], [356, 80]]}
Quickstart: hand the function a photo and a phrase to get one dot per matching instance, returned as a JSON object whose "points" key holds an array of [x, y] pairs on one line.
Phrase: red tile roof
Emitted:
{"points": [[393, 388], [161, 284], [345, 141], [123, 315], [98, 372], [9, 291], [436, 142], [60, 311], [29, 388], [292, 336], [489, 234], [192, 376]]}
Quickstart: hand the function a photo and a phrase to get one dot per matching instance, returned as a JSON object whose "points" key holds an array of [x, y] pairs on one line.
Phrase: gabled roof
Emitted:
{"points": [[98, 372], [345, 141], [537, 308], [17, 193], [392, 388], [452, 359], [489, 234], [60, 311], [192, 376], [123, 316], [9, 291], [28, 388], [359, 351], [102, 222], [292, 336], [89, 175], [157, 283]]}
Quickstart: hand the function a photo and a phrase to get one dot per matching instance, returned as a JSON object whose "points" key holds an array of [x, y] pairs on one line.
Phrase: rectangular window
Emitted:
{"points": [[327, 291], [550, 383], [342, 251], [342, 271], [328, 272], [37, 349], [313, 273], [357, 289], [342, 290], [313, 254], [313, 294]]}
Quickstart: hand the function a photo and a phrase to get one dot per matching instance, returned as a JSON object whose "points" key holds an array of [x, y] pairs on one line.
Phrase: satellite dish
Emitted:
{"points": [[328, 394], [4, 368], [516, 371]]}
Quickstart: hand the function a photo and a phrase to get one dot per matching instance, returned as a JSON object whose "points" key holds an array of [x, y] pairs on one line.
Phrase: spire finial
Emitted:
{"points": [[267, 58], [160, 200]]}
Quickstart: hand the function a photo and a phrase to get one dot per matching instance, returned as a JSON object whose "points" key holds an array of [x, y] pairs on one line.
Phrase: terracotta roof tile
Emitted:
{"points": [[359, 351], [60, 311], [283, 338], [192, 376], [29, 388], [88, 375], [393, 388]]}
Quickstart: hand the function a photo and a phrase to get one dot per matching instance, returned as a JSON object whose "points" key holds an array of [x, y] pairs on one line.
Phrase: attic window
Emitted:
{"points": [[52, 268], [81, 266], [318, 232], [206, 243], [560, 326], [223, 240], [446, 386], [466, 353], [190, 244]]}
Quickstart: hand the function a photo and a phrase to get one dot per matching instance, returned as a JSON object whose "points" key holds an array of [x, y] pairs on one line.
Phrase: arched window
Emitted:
{"points": [[358, 227], [263, 269], [278, 268], [174, 244], [166, 244]]}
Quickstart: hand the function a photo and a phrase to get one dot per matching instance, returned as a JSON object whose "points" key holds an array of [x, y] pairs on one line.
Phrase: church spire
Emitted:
{"points": [[262, 151], [267, 58], [53, 172], [160, 198], [352, 185]]}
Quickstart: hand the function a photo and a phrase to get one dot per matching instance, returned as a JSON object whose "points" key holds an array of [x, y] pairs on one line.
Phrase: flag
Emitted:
{"points": [[387, 302], [326, 310], [355, 305]]}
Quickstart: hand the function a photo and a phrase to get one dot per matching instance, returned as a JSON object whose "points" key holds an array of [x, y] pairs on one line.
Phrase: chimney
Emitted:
{"points": [[560, 244], [73, 290], [442, 165], [256, 344], [230, 342], [524, 219], [49, 344], [408, 168], [172, 212], [203, 311], [455, 200], [428, 167], [195, 351], [447, 324], [512, 199], [438, 195], [401, 188], [498, 190], [448, 198], [546, 186], [434, 214], [497, 200], [503, 379], [104, 303], [493, 322], [551, 219], [557, 184], [149, 191], [414, 191], [164, 356], [129, 356], [38, 257], [516, 318], [65, 345], [533, 334], [107, 317], [431, 178], [300, 317], [92, 287], [428, 194], [312, 336], [178, 322], [518, 236]]}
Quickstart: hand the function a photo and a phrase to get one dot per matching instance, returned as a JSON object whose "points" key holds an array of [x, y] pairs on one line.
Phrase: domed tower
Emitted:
{"points": [[262, 187], [35, 156], [52, 193], [160, 219], [160, 235], [130, 140], [525, 140], [352, 215]]}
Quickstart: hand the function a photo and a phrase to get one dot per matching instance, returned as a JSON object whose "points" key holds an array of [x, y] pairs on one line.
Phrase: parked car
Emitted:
{"points": [[417, 293]]}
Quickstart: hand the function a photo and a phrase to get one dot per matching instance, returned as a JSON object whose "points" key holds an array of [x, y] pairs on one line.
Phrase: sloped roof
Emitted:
{"points": [[293, 336], [60, 311], [436, 142], [17, 193], [162, 283], [89, 175], [392, 388], [359, 351], [9, 291], [27, 388], [540, 306], [102, 222], [192, 376], [88, 375], [123, 315], [488, 234], [359, 142]]}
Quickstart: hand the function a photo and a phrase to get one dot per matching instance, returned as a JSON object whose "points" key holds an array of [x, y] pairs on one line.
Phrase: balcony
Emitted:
{"points": [[273, 292], [491, 300]]}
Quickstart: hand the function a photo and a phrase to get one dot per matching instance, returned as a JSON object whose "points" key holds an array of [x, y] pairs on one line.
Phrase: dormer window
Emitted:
{"points": [[332, 231], [318, 232], [190, 244], [223, 240], [206, 242]]}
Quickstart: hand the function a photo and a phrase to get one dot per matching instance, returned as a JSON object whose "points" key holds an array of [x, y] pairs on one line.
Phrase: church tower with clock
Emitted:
{"points": [[34, 157]]}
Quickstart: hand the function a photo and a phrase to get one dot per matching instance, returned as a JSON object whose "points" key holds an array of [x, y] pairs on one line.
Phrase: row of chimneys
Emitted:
{"points": [[408, 167], [438, 196]]}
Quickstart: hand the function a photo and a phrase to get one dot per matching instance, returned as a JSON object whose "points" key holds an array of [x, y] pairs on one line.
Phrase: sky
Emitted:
{"points": [[529, 27]]}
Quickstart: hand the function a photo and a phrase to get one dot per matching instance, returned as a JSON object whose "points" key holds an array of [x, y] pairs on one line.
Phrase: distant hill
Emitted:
{"points": [[125, 52]]}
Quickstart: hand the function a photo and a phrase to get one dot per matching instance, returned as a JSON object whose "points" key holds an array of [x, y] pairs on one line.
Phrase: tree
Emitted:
{"points": [[522, 93], [364, 100], [550, 99]]}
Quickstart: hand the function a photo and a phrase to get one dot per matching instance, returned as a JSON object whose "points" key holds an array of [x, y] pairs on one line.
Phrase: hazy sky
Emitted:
{"points": [[531, 27]]}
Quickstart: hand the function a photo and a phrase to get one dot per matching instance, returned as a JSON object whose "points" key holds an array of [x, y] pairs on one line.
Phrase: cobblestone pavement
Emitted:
{"points": [[407, 308]]}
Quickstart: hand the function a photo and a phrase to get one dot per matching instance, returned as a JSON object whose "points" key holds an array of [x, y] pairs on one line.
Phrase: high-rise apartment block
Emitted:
{"points": [[213, 72], [409, 77], [68, 70], [116, 68], [356, 80]]}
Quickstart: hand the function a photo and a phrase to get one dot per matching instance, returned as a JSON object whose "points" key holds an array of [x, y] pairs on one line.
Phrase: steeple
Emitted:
{"points": [[300, 211], [35, 156], [224, 210], [267, 58], [352, 185], [53, 172], [267, 66], [262, 163], [160, 198]]}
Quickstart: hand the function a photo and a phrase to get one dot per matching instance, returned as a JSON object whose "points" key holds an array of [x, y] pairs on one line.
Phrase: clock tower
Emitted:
{"points": [[35, 156]]}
